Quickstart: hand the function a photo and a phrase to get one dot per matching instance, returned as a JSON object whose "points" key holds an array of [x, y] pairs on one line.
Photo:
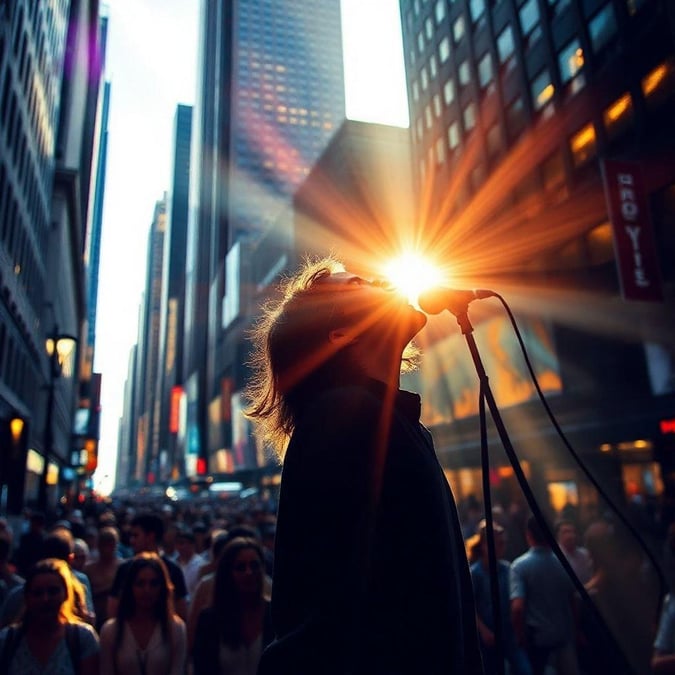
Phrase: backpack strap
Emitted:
{"points": [[73, 644]]}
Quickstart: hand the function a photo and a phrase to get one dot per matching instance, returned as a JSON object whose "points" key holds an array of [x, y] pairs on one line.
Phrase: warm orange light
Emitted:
{"points": [[584, 138], [16, 425], [653, 79], [617, 109], [411, 274]]}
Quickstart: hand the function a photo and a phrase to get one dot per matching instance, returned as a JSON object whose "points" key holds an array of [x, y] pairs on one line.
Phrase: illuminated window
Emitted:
{"points": [[659, 84], [420, 42], [440, 151], [427, 117], [424, 79], [583, 145], [542, 90], [618, 117], [433, 68], [602, 27], [437, 105], [416, 90], [429, 28], [570, 60], [505, 45], [440, 10], [449, 91], [453, 135], [529, 16], [444, 49], [477, 9], [485, 72], [469, 116], [458, 29], [464, 73]]}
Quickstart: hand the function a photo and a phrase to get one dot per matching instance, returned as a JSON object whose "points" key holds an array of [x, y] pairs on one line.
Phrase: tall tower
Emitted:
{"points": [[270, 96]]}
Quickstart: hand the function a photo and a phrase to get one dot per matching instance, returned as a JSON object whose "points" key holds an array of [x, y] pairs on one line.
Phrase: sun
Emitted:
{"points": [[412, 273]]}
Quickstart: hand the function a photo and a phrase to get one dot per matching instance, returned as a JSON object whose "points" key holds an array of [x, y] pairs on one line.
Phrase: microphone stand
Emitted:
{"points": [[460, 311]]}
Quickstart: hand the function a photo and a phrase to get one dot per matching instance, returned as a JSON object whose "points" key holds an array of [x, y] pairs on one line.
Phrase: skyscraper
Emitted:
{"points": [[271, 95]]}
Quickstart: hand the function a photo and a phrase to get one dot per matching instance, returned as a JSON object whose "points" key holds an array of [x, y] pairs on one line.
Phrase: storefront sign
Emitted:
{"points": [[634, 243]]}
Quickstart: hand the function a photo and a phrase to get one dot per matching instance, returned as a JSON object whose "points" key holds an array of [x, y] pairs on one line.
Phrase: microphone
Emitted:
{"points": [[435, 300]]}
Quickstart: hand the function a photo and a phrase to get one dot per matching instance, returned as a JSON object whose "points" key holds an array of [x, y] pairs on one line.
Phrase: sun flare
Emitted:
{"points": [[411, 274]]}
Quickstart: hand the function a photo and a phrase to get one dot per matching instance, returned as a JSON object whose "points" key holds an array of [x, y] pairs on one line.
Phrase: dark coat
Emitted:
{"points": [[370, 571]]}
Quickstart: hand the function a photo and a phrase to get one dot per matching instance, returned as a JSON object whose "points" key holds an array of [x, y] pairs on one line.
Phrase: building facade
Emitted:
{"points": [[50, 69], [543, 160]]}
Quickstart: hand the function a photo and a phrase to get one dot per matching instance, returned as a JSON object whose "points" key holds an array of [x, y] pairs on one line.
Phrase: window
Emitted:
{"points": [[558, 6], [469, 117], [529, 16], [602, 27], [582, 145], [440, 151], [433, 68], [440, 10], [420, 42], [424, 79], [444, 50], [618, 117], [659, 83], [427, 117], [515, 117], [477, 9], [542, 89], [429, 28], [437, 105], [453, 135], [420, 129], [449, 91], [458, 29], [415, 90], [493, 140], [464, 73], [505, 45], [570, 60], [485, 72]]}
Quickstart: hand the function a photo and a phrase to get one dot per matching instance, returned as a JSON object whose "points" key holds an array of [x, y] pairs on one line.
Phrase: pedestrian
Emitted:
{"points": [[577, 556], [147, 530], [101, 572], [187, 559], [50, 637], [145, 637], [370, 573], [542, 606], [485, 617], [233, 631]]}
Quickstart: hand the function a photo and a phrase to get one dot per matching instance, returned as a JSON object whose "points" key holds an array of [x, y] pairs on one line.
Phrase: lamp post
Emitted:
{"points": [[59, 347]]}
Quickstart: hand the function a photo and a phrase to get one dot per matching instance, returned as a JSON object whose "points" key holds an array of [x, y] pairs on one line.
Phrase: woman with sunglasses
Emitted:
{"points": [[146, 637], [50, 638], [232, 633]]}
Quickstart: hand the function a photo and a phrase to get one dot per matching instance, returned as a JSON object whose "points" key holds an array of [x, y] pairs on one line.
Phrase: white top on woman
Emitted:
{"points": [[158, 658]]}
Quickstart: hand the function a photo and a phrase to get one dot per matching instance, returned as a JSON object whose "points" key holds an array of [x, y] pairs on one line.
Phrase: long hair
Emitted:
{"points": [[127, 605], [60, 569], [293, 360], [226, 598]]}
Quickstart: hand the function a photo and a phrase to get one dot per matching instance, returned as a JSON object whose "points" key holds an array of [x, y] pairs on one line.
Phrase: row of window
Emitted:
{"points": [[570, 60], [17, 370]]}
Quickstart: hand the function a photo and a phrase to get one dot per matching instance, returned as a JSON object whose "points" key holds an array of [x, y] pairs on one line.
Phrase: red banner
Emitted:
{"points": [[634, 243], [174, 409]]}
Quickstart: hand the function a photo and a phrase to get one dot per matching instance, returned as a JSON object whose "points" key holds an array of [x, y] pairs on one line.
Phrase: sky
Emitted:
{"points": [[151, 62]]}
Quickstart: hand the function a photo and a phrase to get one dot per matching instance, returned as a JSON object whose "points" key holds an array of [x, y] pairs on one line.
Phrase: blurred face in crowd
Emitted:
{"points": [[567, 537], [147, 588], [44, 597], [185, 547], [247, 572]]}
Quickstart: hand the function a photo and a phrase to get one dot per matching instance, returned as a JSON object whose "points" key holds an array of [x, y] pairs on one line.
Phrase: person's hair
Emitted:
{"points": [[150, 523], [535, 530], [226, 600], [127, 605], [292, 359], [59, 543], [60, 569]]}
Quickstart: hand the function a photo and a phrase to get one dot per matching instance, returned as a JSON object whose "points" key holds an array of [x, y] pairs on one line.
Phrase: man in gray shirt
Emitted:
{"points": [[542, 596]]}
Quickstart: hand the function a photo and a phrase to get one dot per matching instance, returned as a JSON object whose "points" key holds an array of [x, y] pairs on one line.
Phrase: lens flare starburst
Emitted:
{"points": [[412, 273]]}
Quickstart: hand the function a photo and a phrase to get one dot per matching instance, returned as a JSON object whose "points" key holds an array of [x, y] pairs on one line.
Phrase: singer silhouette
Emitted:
{"points": [[370, 573]]}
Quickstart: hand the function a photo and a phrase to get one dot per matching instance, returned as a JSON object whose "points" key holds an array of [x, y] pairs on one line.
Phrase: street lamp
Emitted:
{"points": [[59, 347]]}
